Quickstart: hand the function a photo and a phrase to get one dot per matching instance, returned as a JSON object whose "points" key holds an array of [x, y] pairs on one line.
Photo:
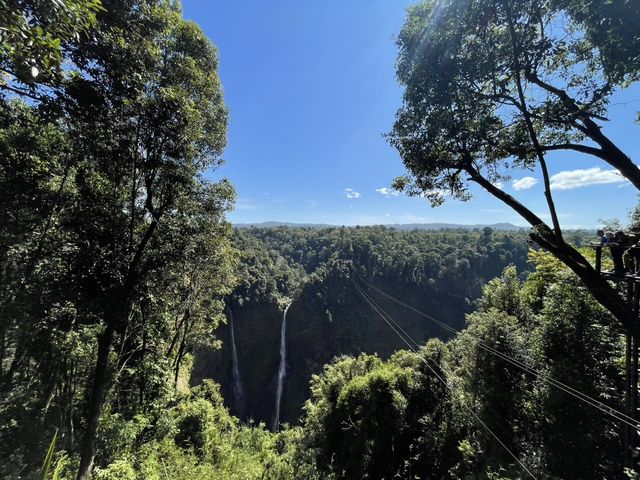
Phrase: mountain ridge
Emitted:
{"points": [[397, 226]]}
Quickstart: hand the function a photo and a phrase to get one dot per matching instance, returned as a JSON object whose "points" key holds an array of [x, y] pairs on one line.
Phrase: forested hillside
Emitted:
{"points": [[362, 409]]}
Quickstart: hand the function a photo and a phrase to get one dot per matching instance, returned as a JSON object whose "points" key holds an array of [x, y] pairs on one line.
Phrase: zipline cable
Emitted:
{"points": [[583, 397], [446, 383], [417, 345]]}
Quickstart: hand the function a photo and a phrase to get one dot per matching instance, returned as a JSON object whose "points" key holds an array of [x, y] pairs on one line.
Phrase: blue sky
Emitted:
{"points": [[311, 89]]}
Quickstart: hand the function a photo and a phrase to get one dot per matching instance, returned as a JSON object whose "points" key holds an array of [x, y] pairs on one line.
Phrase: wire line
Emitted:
{"points": [[445, 382], [583, 397]]}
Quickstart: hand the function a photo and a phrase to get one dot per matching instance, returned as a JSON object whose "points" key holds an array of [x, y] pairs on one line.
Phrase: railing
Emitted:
{"points": [[633, 260]]}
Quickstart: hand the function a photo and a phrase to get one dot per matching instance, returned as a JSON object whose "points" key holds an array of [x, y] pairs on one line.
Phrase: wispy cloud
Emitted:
{"points": [[570, 179], [351, 193], [245, 204], [524, 183], [496, 210], [498, 185], [547, 216], [387, 192]]}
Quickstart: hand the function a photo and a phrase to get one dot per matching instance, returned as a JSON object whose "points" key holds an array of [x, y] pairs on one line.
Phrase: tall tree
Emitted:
{"points": [[493, 85], [151, 98], [106, 204]]}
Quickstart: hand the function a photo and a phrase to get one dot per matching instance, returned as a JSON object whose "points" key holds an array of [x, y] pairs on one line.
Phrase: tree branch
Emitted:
{"points": [[532, 133], [524, 212], [609, 152], [596, 152]]}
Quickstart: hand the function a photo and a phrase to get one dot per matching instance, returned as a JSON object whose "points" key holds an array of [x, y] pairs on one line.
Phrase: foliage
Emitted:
{"points": [[34, 33], [439, 271], [411, 258], [375, 419], [463, 65], [116, 261], [114, 251]]}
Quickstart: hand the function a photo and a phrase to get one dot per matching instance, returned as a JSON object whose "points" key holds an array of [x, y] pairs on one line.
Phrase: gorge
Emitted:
{"points": [[441, 272]]}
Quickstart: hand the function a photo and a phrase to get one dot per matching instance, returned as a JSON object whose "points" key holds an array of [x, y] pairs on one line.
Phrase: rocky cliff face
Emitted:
{"points": [[257, 335], [326, 320]]}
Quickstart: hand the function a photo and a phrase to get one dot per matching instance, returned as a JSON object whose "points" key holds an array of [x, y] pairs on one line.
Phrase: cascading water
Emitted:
{"points": [[282, 369], [235, 371]]}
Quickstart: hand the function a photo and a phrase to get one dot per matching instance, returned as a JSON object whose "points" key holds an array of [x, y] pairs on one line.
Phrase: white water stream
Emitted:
{"points": [[282, 369], [235, 370]]}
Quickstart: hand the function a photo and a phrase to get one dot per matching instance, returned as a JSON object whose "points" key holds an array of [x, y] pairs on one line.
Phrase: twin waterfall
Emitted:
{"points": [[236, 385], [235, 370], [282, 369]]}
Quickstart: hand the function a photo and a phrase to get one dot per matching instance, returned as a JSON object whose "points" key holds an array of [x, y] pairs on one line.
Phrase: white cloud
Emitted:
{"points": [[351, 193], [498, 185], [571, 179], [387, 192], [524, 183]]}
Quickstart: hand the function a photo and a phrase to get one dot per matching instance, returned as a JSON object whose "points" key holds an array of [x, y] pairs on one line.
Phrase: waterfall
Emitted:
{"points": [[235, 371], [282, 369]]}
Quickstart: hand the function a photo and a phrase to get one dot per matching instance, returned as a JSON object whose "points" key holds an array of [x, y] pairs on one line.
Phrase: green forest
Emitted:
{"points": [[142, 336]]}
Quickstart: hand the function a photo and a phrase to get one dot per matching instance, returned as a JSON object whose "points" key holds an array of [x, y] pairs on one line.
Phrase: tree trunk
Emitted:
{"points": [[530, 128], [98, 391], [597, 285], [105, 339]]}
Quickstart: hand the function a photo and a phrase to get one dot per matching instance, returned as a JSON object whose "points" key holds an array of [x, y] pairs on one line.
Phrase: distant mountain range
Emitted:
{"points": [[397, 226]]}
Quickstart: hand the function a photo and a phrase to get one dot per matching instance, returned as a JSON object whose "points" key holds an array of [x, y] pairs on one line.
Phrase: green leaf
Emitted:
{"points": [[46, 466]]}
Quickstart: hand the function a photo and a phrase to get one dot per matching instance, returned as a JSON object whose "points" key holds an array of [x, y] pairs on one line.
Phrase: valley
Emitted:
{"points": [[441, 272]]}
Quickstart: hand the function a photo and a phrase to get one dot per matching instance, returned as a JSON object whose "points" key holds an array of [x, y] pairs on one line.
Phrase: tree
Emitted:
{"points": [[111, 231], [552, 325], [493, 85], [581, 347], [152, 100], [34, 34], [372, 419]]}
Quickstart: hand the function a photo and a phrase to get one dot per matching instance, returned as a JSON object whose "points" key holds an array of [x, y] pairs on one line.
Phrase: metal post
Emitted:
{"points": [[631, 393], [634, 377], [633, 444], [630, 383], [628, 409]]}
